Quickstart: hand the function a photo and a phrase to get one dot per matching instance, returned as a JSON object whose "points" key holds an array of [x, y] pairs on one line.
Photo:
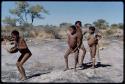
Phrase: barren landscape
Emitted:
{"points": [[47, 64]]}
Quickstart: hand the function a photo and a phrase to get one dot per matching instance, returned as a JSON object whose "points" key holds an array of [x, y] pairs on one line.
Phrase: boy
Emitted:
{"points": [[72, 43], [80, 45], [92, 42], [25, 53]]}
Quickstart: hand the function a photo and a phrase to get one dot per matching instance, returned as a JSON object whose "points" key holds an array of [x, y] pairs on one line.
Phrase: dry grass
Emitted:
{"points": [[49, 33]]}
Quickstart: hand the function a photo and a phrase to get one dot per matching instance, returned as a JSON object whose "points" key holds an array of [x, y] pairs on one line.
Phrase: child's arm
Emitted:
{"points": [[75, 49], [12, 49]]}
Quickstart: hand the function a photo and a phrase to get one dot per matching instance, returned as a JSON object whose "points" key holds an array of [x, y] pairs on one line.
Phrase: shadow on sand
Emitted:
{"points": [[37, 74], [102, 65], [99, 64], [89, 65]]}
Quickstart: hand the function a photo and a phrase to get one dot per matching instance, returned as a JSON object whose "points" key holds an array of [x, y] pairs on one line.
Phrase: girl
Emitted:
{"points": [[25, 53], [92, 42]]}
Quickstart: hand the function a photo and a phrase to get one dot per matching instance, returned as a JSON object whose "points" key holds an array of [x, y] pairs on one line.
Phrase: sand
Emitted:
{"points": [[47, 64]]}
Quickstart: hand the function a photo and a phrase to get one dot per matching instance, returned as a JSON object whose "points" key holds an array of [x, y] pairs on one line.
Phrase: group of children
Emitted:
{"points": [[75, 43], [75, 37]]}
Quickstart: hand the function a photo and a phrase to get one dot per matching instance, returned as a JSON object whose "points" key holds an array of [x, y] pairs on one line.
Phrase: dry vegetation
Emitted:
{"points": [[38, 33], [55, 33]]}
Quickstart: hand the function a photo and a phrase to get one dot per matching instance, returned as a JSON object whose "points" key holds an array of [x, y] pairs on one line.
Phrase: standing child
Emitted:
{"points": [[25, 53], [72, 46], [92, 42]]}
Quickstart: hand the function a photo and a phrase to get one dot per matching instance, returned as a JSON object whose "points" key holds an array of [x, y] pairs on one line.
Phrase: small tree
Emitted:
{"points": [[101, 23], [114, 26], [20, 11], [64, 24], [87, 25], [24, 9], [120, 25], [35, 11]]}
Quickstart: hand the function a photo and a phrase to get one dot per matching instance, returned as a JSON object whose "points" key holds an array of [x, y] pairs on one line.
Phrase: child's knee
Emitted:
{"points": [[18, 64]]}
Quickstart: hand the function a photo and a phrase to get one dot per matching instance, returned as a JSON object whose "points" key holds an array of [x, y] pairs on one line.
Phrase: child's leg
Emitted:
{"points": [[83, 54], [90, 52], [93, 53], [76, 59], [97, 52], [24, 59], [66, 58], [18, 63]]}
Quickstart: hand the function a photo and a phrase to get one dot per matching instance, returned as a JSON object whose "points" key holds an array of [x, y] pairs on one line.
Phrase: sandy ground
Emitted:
{"points": [[47, 64]]}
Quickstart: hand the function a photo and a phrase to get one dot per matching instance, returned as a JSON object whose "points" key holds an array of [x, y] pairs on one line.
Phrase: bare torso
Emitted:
{"points": [[92, 40], [72, 41], [21, 44], [79, 35]]}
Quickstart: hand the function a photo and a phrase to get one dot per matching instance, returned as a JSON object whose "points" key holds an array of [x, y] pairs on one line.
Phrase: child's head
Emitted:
{"points": [[91, 29], [73, 29], [15, 34], [78, 23]]}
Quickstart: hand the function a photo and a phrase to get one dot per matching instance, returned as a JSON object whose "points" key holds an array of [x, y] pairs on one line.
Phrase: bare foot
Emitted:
{"points": [[66, 69], [23, 78], [20, 77]]}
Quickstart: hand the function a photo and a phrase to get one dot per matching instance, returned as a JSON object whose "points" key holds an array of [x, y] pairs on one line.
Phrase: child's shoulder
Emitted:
{"points": [[21, 38]]}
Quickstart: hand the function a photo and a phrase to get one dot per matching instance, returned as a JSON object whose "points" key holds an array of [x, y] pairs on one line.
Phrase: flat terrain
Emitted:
{"points": [[47, 64]]}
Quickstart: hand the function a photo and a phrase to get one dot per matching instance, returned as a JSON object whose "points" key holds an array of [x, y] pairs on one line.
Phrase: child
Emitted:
{"points": [[72, 43], [92, 42], [25, 53]]}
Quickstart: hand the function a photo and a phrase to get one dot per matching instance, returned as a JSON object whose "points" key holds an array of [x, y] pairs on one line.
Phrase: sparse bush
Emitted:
{"points": [[34, 32], [109, 32], [62, 33]]}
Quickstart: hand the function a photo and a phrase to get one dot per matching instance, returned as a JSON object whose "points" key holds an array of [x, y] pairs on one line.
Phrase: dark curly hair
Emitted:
{"points": [[74, 29], [15, 32], [92, 28], [80, 23]]}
